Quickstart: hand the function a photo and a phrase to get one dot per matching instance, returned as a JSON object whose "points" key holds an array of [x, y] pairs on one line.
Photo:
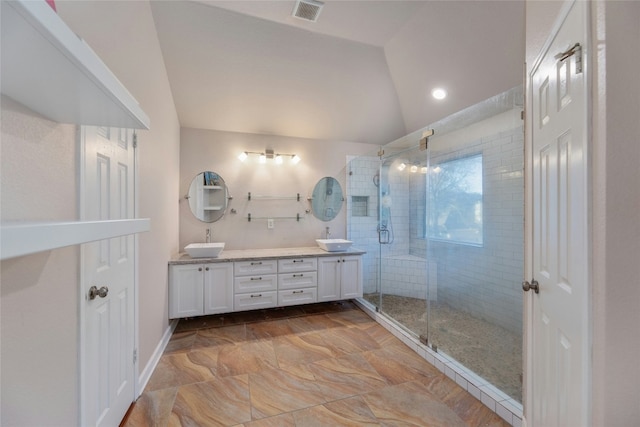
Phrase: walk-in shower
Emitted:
{"points": [[443, 231]]}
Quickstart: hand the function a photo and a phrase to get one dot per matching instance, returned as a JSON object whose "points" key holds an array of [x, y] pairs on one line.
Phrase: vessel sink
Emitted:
{"points": [[334, 245], [204, 250]]}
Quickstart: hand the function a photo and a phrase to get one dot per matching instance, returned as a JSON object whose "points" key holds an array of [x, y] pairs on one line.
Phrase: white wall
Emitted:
{"points": [[39, 293], [616, 204], [218, 151], [123, 34], [613, 59]]}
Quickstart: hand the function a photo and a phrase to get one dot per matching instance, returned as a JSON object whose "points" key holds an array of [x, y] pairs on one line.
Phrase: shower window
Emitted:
{"points": [[454, 200]]}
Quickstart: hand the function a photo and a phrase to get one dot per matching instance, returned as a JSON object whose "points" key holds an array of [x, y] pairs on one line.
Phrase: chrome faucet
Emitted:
{"points": [[208, 237], [328, 233]]}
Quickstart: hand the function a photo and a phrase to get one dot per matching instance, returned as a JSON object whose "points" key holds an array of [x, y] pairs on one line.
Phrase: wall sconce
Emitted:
{"points": [[269, 154]]}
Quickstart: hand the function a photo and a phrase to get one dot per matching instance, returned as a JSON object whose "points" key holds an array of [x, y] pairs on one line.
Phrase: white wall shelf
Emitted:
{"points": [[49, 69], [18, 239]]}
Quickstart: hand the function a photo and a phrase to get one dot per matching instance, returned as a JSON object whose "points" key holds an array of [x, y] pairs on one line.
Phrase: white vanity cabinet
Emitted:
{"points": [[243, 280], [200, 289], [339, 277], [255, 284], [297, 281]]}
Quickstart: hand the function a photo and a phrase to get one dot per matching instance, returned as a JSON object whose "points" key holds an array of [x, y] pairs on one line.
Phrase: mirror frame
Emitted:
{"points": [[327, 199], [208, 197]]}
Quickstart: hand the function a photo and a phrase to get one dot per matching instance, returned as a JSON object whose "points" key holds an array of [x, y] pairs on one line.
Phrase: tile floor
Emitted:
{"points": [[318, 365]]}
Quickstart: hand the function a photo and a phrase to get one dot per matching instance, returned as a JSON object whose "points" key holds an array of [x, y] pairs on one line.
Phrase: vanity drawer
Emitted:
{"points": [[244, 284], [254, 300], [251, 268], [297, 296], [304, 279], [289, 265]]}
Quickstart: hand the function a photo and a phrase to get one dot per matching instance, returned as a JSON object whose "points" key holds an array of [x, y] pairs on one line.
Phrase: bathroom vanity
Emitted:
{"points": [[239, 280]]}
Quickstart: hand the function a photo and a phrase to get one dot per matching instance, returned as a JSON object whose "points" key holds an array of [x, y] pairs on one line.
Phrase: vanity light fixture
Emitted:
{"points": [[269, 154], [424, 169], [413, 169], [401, 166]]}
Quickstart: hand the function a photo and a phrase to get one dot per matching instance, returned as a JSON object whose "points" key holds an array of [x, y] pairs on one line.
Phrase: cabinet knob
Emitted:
{"points": [[199, 268], [207, 269]]}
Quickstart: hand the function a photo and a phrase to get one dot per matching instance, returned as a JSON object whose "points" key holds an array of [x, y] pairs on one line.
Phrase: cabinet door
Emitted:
{"points": [[218, 288], [351, 281], [186, 291], [329, 278]]}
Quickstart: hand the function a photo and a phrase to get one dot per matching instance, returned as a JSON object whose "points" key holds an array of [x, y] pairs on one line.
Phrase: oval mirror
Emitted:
{"points": [[208, 196], [326, 199]]}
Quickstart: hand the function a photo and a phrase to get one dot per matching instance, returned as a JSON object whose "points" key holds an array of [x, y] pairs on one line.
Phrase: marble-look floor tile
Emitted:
{"points": [[410, 404], [352, 318], [201, 322], [180, 342], [269, 329], [351, 412], [348, 340], [152, 408], [222, 402], [381, 335], [178, 369], [398, 366], [298, 349], [346, 376], [315, 365], [277, 391], [284, 420], [312, 323], [467, 407], [224, 335], [246, 358]]}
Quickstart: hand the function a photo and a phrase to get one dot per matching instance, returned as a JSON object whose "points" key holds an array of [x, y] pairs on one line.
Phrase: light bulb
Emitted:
{"points": [[424, 169], [243, 156], [414, 169], [401, 166], [439, 93], [263, 158], [295, 159], [278, 159]]}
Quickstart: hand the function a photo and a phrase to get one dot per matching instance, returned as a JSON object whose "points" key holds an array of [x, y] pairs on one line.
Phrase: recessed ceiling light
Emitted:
{"points": [[439, 93]]}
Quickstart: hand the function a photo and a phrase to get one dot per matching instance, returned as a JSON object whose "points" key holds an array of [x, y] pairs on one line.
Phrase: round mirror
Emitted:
{"points": [[208, 196], [326, 199]]}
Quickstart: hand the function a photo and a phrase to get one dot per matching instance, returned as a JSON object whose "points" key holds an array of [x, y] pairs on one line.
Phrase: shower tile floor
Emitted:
{"points": [[492, 352], [326, 364]]}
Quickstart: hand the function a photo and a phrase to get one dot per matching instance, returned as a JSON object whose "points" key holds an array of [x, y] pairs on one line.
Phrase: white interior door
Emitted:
{"points": [[558, 353], [107, 318]]}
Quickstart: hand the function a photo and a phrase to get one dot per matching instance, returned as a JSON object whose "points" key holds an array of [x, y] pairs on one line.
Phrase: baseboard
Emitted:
{"points": [[145, 375]]}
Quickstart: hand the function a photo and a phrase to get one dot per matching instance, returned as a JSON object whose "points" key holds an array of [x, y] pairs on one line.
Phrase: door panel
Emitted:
{"points": [[108, 339], [559, 354]]}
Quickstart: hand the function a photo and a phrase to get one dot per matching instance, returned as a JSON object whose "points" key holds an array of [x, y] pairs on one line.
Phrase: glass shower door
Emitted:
{"points": [[475, 248], [401, 230]]}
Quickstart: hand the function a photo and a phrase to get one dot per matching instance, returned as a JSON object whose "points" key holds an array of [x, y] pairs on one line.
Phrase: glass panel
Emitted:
{"points": [[475, 246], [445, 251]]}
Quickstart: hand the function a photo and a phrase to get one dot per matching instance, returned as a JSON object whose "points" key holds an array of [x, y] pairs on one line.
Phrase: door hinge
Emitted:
{"points": [[576, 50], [135, 356], [424, 141]]}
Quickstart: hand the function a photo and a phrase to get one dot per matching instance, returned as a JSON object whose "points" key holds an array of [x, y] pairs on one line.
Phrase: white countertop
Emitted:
{"points": [[254, 254]]}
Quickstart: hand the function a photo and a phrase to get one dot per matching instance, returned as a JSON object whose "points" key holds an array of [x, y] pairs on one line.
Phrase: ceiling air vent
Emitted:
{"points": [[307, 10]]}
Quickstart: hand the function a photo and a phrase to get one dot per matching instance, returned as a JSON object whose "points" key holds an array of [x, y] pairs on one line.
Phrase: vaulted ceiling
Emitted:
{"points": [[363, 72]]}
